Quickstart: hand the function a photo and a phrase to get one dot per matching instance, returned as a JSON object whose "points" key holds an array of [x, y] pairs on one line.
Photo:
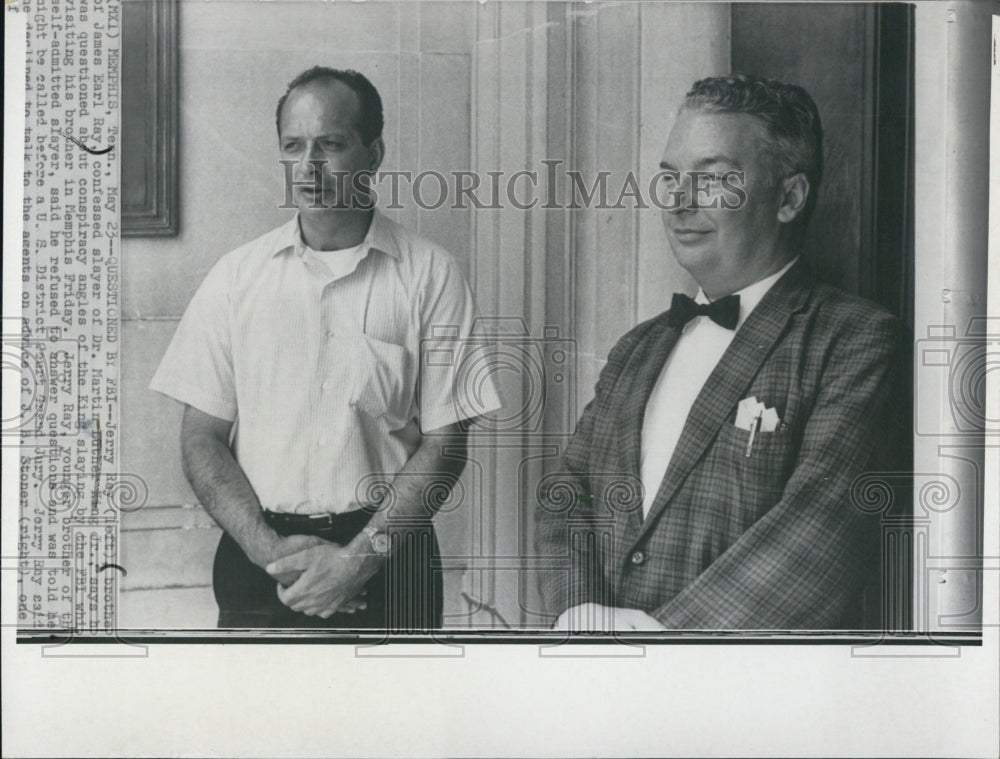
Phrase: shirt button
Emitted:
{"points": [[325, 385], [329, 335], [638, 558]]}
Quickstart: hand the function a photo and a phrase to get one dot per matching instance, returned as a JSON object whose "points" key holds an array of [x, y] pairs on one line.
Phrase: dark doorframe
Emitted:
{"points": [[888, 276]]}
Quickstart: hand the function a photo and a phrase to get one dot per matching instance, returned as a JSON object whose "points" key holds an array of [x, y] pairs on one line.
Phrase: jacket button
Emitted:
{"points": [[638, 558]]}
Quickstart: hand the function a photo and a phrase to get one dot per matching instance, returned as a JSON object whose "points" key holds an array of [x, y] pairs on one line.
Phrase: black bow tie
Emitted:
{"points": [[725, 311]]}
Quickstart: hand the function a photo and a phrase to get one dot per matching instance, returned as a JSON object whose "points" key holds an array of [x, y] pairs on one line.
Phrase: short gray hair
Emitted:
{"points": [[788, 113]]}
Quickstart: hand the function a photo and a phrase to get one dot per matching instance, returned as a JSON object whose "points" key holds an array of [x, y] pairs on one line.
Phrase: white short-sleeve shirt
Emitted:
{"points": [[321, 371]]}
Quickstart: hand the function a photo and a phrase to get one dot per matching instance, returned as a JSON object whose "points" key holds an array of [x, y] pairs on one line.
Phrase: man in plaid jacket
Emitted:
{"points": [[709, 482]]}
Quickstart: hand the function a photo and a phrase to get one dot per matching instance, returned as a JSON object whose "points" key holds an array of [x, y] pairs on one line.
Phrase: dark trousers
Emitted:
{"points": [[406, 595]]}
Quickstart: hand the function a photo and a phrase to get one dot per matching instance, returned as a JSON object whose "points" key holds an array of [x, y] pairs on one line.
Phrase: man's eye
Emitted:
{"points": [[288, 147], [329, 145]]}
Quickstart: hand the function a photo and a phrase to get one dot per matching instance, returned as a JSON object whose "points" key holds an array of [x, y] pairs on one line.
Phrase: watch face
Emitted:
{"points": [[380, 542]]}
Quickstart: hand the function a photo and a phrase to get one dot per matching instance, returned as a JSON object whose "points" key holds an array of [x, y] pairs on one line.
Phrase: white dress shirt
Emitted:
{"points": [[318, 357], [698, 350]]}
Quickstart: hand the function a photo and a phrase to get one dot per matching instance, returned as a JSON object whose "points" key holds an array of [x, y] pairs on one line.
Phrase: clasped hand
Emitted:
{"points": [[321, 579]]}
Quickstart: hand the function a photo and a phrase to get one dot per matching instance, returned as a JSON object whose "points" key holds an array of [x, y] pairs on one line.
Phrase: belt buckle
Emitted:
{"points": [[322, 520]]}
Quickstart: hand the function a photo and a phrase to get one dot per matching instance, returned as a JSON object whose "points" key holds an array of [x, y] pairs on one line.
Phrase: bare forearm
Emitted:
{"points": [[226, 494], [426, 479], [420, 487]]}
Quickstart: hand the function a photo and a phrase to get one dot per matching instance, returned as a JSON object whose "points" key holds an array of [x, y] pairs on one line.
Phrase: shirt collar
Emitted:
{"points": [[379, 237], [751, 295]]}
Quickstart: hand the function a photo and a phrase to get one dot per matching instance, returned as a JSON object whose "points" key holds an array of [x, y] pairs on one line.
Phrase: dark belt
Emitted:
{"points": [[348, 521]]}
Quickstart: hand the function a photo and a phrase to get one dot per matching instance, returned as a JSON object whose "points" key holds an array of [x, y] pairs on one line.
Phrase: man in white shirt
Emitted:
{"points": [[299, 364], [741, 418]]}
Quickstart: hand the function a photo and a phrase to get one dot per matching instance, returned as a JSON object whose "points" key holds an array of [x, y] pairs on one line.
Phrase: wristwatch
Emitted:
{"points": [[379, 540]]}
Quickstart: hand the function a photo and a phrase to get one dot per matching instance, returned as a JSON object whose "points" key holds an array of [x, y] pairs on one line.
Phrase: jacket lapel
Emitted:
{"points": [[643, 370], [728, 382]]}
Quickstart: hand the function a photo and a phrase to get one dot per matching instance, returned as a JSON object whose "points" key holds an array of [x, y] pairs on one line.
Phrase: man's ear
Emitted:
{"points": [[377, 151], [794, 193]]}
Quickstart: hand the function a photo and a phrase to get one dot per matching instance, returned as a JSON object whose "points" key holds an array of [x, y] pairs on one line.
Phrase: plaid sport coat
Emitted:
{"points": [[770, 541]]}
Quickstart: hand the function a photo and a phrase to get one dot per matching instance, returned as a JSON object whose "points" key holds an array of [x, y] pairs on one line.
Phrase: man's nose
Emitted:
{"points": [[311, 161], [679, 199]]}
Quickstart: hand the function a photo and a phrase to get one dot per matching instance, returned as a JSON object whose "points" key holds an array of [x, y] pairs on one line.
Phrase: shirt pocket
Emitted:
{"points": [[383, 380]]}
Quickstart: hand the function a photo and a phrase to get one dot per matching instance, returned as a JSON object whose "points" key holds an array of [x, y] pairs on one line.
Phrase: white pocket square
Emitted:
{"points": [[751, 412]]}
